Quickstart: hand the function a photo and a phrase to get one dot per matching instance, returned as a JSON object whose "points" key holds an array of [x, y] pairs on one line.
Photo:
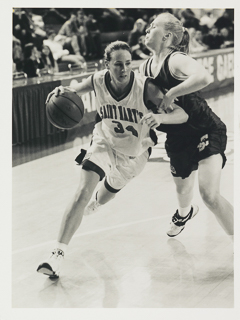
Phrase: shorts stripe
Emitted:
{"points": [[90, 166], [109, 188]]}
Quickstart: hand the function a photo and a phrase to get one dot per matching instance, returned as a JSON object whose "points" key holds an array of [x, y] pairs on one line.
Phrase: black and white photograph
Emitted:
{"points": [[124, 138]]}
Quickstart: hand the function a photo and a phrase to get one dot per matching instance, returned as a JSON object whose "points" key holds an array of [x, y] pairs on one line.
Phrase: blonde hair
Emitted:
{"points": [[180, 34]]}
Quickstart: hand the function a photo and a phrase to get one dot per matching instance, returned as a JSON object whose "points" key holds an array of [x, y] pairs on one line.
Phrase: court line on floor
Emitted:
{"points": [[122, 225]]}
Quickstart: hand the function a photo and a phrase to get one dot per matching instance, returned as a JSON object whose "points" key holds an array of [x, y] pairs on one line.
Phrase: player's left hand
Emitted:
{"points": [[152, 120], [166, 102]]}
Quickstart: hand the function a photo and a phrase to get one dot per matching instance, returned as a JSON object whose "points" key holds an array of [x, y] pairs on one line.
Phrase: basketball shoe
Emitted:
{"points": [[178, 223], [92, 207], [51, 267]]}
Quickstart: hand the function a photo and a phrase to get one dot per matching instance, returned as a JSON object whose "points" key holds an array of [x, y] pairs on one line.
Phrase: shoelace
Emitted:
{"points": [[58, 252], [178, 220], [175, 217]]}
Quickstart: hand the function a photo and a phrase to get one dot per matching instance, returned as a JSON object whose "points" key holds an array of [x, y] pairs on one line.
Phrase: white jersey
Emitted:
{"points": [[120, 116]]}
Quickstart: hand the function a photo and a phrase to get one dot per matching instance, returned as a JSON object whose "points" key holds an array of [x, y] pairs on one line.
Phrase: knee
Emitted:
{"points": [[209, 197], [83, 196], [183, 189], [75, 60]]}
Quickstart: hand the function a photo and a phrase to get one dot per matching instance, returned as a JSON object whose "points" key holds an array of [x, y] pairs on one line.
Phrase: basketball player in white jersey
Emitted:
{"points": [[121, 142]]}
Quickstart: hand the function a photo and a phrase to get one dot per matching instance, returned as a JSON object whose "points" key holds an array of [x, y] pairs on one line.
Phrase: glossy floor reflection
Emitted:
{"points": [[121, 257]]}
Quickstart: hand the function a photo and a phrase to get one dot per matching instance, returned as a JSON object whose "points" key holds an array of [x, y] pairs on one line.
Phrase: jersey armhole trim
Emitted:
{"points": [[88, 165], [145, 92], [93, 84], [174, 75]]}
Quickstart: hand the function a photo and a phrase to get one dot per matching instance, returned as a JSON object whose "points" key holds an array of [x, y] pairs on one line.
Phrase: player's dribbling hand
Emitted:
{"points": [[58, 91], [152, 120]]}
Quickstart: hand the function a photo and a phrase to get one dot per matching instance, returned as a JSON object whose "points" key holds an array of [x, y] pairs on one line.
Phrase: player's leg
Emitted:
{"points": [[183, 168], [102, 196], [70, 222], [127, 168], [74, 212], [96, 161], [106, 193], [184, 190], [71, 58], [186, 210], [209, 186]]}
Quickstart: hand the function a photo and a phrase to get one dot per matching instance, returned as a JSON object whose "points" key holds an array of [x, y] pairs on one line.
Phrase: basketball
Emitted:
{"points": [[65, 111]]}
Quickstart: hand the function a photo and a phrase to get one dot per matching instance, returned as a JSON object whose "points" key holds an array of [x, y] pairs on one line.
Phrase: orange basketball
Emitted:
{"points": [[65, 111]]}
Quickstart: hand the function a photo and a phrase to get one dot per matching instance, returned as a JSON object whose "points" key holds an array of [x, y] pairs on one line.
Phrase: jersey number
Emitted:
{"points": [[119, 128]]}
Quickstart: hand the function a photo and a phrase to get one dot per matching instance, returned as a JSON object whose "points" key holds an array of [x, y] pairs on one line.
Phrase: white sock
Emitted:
{"points": [[62, 246], [183, 212]]}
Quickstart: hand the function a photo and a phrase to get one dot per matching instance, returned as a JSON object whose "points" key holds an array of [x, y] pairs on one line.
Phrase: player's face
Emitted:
{"points": [[120, 66], [45, 50], [154, 33]]}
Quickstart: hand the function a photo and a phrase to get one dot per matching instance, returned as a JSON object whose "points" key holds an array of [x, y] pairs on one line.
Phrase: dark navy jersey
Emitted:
{"points": [[201, 117]]}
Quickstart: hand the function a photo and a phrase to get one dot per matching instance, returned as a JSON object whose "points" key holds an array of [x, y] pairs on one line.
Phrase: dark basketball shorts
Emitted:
{"points": [[186, 152]]}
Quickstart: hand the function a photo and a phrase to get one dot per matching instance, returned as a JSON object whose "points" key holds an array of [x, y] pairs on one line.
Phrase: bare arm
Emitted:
{"points": [[84, 86], [196, 75], [81, 87], [174, 114]]}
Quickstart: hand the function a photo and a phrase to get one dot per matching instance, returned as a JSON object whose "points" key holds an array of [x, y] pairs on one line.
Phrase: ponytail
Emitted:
{"points": [[180, 34], [183, 46]]}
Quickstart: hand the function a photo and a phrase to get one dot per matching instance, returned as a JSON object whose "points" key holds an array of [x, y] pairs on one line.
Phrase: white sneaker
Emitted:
{"points": [[51, 267], [178, 223], [92, 207]]}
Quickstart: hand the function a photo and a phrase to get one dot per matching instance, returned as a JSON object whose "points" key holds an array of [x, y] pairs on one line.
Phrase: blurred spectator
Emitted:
{"points": [[152, 18], [120, 18], [141, 51], [134, 35], [70, 31], [82, 31], [142, 13], [55, 43], [17, 54], [38, 11], [47, 57], [109, 20], [195, 44], [207, 21], [94, 43], [32, 61], [199, 37], [224, 21], [228, 42], [14, 69], [189, 19], [213, 39], [39, 31], [22, 28], [126, 21], [53, 17]]}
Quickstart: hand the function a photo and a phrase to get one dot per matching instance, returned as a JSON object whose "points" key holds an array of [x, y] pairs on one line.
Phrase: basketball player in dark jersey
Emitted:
{"points": [[200, 142]]}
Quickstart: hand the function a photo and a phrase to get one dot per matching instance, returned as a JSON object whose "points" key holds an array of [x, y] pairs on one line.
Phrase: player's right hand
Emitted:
{"points": [[152, 120], [58, 91]]}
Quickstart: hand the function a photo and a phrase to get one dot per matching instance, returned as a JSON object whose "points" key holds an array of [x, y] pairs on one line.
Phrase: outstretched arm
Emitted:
{"points": [[81, 88]]}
